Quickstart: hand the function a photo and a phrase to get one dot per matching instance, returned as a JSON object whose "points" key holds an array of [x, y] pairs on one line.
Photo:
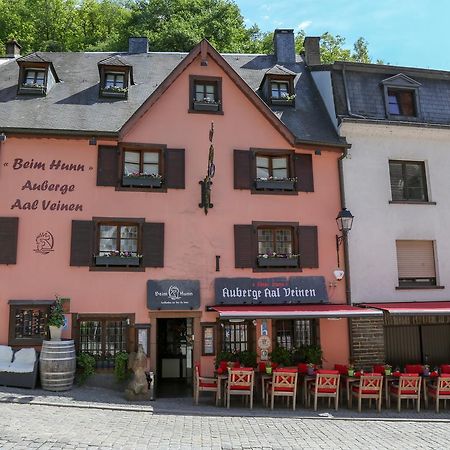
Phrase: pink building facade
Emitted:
{"points": [[137, 258]]}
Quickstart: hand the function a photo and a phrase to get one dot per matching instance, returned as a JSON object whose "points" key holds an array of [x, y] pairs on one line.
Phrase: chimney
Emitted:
{"points": [[312, 50], [13, 49], [137, 45], [284, 44]]}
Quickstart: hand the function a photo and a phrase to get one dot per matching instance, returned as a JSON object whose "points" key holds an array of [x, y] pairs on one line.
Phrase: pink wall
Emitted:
{"points": [[191, 239]]}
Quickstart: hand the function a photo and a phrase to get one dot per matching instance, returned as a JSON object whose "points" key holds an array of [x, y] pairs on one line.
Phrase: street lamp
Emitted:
{"points": [[344, 222]]}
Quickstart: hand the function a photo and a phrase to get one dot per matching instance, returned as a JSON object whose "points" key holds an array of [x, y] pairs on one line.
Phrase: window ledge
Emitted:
{"points": [[273, 192], [116, 269], [405, 288], [397, 117], [198, 111], [141, 189], [409, 202], [277, 269]]}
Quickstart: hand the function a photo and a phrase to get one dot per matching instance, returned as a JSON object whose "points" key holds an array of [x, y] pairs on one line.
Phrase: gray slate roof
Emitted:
{"points": [[366, 97], [74, 105]]}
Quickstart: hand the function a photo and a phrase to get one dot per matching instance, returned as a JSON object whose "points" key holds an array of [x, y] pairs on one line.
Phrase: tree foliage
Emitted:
{"points": [[170, 25]]}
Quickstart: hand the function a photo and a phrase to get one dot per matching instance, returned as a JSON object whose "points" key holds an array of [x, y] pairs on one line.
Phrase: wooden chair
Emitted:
{"points": [[371, 387], [204, 384], [408, 387], [240, 382], [326, 385], [440, 390], [283, 384]]}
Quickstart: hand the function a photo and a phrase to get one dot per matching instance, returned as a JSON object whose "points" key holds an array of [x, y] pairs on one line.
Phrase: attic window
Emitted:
{"points": [[34, 78], [281, 90], [114, 84], [205, 94], [401, 103]]}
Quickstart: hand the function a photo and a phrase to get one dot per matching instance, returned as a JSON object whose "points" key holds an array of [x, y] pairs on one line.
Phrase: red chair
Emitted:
{"points": [[378, 368], [326, 385], [370, 386], [414, 368], [408, 387], [204, 384], [440, 390], [283, 384], [302, 367], [445, 368], [240, 382], [341, 368]]}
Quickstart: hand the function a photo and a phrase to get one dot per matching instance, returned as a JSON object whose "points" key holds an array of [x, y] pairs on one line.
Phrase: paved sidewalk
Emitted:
{"points": [[100, 398]]}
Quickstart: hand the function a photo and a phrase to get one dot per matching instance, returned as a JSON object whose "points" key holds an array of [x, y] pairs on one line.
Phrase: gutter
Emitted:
{"points": [[56, 132]]}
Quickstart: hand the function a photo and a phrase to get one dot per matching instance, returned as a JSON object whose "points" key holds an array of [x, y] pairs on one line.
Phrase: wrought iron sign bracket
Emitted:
{"points": [[205, 195]]}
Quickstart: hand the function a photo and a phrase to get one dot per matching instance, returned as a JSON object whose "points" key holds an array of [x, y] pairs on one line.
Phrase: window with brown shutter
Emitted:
{"points": [[107, 165], [309, 246], [416, 263], [82, 243], [8, 239], [174, 159]]}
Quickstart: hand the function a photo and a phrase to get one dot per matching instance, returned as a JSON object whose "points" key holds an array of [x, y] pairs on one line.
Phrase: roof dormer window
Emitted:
{"points": [[36, 75], [278, 86], [401, 96], [115, 77]]}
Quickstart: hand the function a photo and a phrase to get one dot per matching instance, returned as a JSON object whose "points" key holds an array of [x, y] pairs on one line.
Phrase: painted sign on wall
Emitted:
{"points": [[173, 294], [270, 291]]}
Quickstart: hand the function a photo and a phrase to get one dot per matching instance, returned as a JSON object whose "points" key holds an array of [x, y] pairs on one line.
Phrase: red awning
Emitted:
{"points": [[292, 311], [413, 308]]}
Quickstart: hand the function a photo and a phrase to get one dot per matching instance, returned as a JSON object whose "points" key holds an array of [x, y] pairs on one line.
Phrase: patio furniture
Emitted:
{"points": [[445, 368], [205, 384], [371, 387], [283, 384], [18, 369], [414, 368], [325, 385], [240, 382], [408, 387], [440, 390]]}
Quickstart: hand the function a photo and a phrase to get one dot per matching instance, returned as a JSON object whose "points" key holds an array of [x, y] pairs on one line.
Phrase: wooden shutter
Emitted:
{"points": [[415, 259], [174, 168], [304, 172], [242, 169], [107, 166], [8, 239], [308, 246], [243, 246], [82, 243], [153, 244]]}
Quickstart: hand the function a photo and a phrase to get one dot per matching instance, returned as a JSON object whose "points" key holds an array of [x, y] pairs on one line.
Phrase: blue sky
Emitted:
{"points": [[402, 32]]}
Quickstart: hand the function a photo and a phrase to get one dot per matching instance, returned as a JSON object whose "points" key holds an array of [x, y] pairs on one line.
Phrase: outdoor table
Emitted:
{"points": [[221, 379], [348, 382], [265, 377], [307, 379]]}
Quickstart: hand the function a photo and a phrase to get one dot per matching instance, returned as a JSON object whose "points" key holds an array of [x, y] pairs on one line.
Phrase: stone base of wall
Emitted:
{"points": [[367, 341]]}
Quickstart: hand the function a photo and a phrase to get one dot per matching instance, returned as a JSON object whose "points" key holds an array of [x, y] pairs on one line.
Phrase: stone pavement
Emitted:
{"points": [[99, 418]]}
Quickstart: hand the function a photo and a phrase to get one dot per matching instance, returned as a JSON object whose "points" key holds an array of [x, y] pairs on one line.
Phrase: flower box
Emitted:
{"points": [[206, 106], [272, 261], [39, 90], [128, 261], [141, 181], [278, 185], [281, 102], [108, 93]]}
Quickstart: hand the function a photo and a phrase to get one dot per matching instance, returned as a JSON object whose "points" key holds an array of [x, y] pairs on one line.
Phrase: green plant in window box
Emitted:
{"points": [[207, 104], [121, 371], [314, 354], [116, 89], [247, 358], [85, 367], [118, 258], [277, 260], [282, 356], [224, 356]]}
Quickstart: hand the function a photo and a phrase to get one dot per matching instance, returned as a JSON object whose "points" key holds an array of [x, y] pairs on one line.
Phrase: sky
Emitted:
{"points": [[401, 32]]}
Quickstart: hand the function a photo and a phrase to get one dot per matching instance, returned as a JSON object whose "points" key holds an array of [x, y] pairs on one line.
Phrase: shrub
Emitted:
{"points": [[86, 367], [281, 356], [121, 371]]}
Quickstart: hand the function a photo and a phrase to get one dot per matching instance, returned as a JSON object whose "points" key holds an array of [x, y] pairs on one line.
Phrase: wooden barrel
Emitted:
{"points": [[57, 365]]}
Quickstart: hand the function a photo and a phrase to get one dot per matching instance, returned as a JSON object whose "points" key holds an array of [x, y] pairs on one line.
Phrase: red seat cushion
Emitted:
{"points": [[409, 374], [445, 368], [410, 368], [394, 390], [284, 389], [365, 391], [327, 372], [341, 368], [211, 385], [262, 367], [239, 388], [326, 390], [378, 368], [433, 390], [286, 369], [302, 367]]}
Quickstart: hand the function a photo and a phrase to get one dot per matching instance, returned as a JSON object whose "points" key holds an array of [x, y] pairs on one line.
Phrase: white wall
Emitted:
{"points": [[323, 84], [378, 224]]}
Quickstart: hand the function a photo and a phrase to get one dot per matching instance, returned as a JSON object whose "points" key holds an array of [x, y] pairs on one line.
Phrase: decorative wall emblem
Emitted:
{"points": [[44, 243], [174, 293]]}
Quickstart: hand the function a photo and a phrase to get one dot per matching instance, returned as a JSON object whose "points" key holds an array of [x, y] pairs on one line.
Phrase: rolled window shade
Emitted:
{"points": [[415, 259]]}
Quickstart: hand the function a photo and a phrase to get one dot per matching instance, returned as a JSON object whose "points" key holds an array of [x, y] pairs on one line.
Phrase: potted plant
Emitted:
{"points": [[268, 367], [142, 179], [277, 260], [56, 320], [207, 104], [117, 258], [313, 354], [311, 369], [281, 356], [426, 370], [387, 369], [278, 184], [115, 91], [351, 370]]}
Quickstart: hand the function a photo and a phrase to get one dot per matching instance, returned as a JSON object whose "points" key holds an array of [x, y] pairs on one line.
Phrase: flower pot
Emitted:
{"points": [[351, 372], [268, 370], [310, 371], [129, 261], [55, 333], [141, 181], [388, 372], [276, 185], [272, 261]]}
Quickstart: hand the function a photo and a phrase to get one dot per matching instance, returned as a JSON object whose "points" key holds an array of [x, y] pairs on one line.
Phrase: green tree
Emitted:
{"points": [[361, 51]]}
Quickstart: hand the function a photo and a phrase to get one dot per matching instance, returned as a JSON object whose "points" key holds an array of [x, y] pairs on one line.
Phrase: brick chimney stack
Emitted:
{"points": [[13, 49], [312, 50], [284, 44], [137, 45]]}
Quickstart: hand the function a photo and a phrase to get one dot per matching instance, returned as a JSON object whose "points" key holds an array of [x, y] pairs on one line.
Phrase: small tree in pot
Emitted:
{"points": [[56, 320]]}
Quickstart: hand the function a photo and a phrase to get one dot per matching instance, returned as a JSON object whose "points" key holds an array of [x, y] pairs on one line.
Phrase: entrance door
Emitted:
{"points": [[174, 365]]}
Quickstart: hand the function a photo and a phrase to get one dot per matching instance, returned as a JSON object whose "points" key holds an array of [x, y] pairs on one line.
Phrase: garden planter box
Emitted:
{"points": [[106, 93], [32, 90], [277, 262], [141, 181], [279, 185], [281, 102], [199, 106], [131, 261]]}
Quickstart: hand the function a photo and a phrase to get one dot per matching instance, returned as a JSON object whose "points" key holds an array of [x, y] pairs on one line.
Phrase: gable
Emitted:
{"points": [[400, 80]]}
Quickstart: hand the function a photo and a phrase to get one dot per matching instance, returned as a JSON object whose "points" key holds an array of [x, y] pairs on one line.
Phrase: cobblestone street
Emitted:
{"points": [[34, 426]]}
